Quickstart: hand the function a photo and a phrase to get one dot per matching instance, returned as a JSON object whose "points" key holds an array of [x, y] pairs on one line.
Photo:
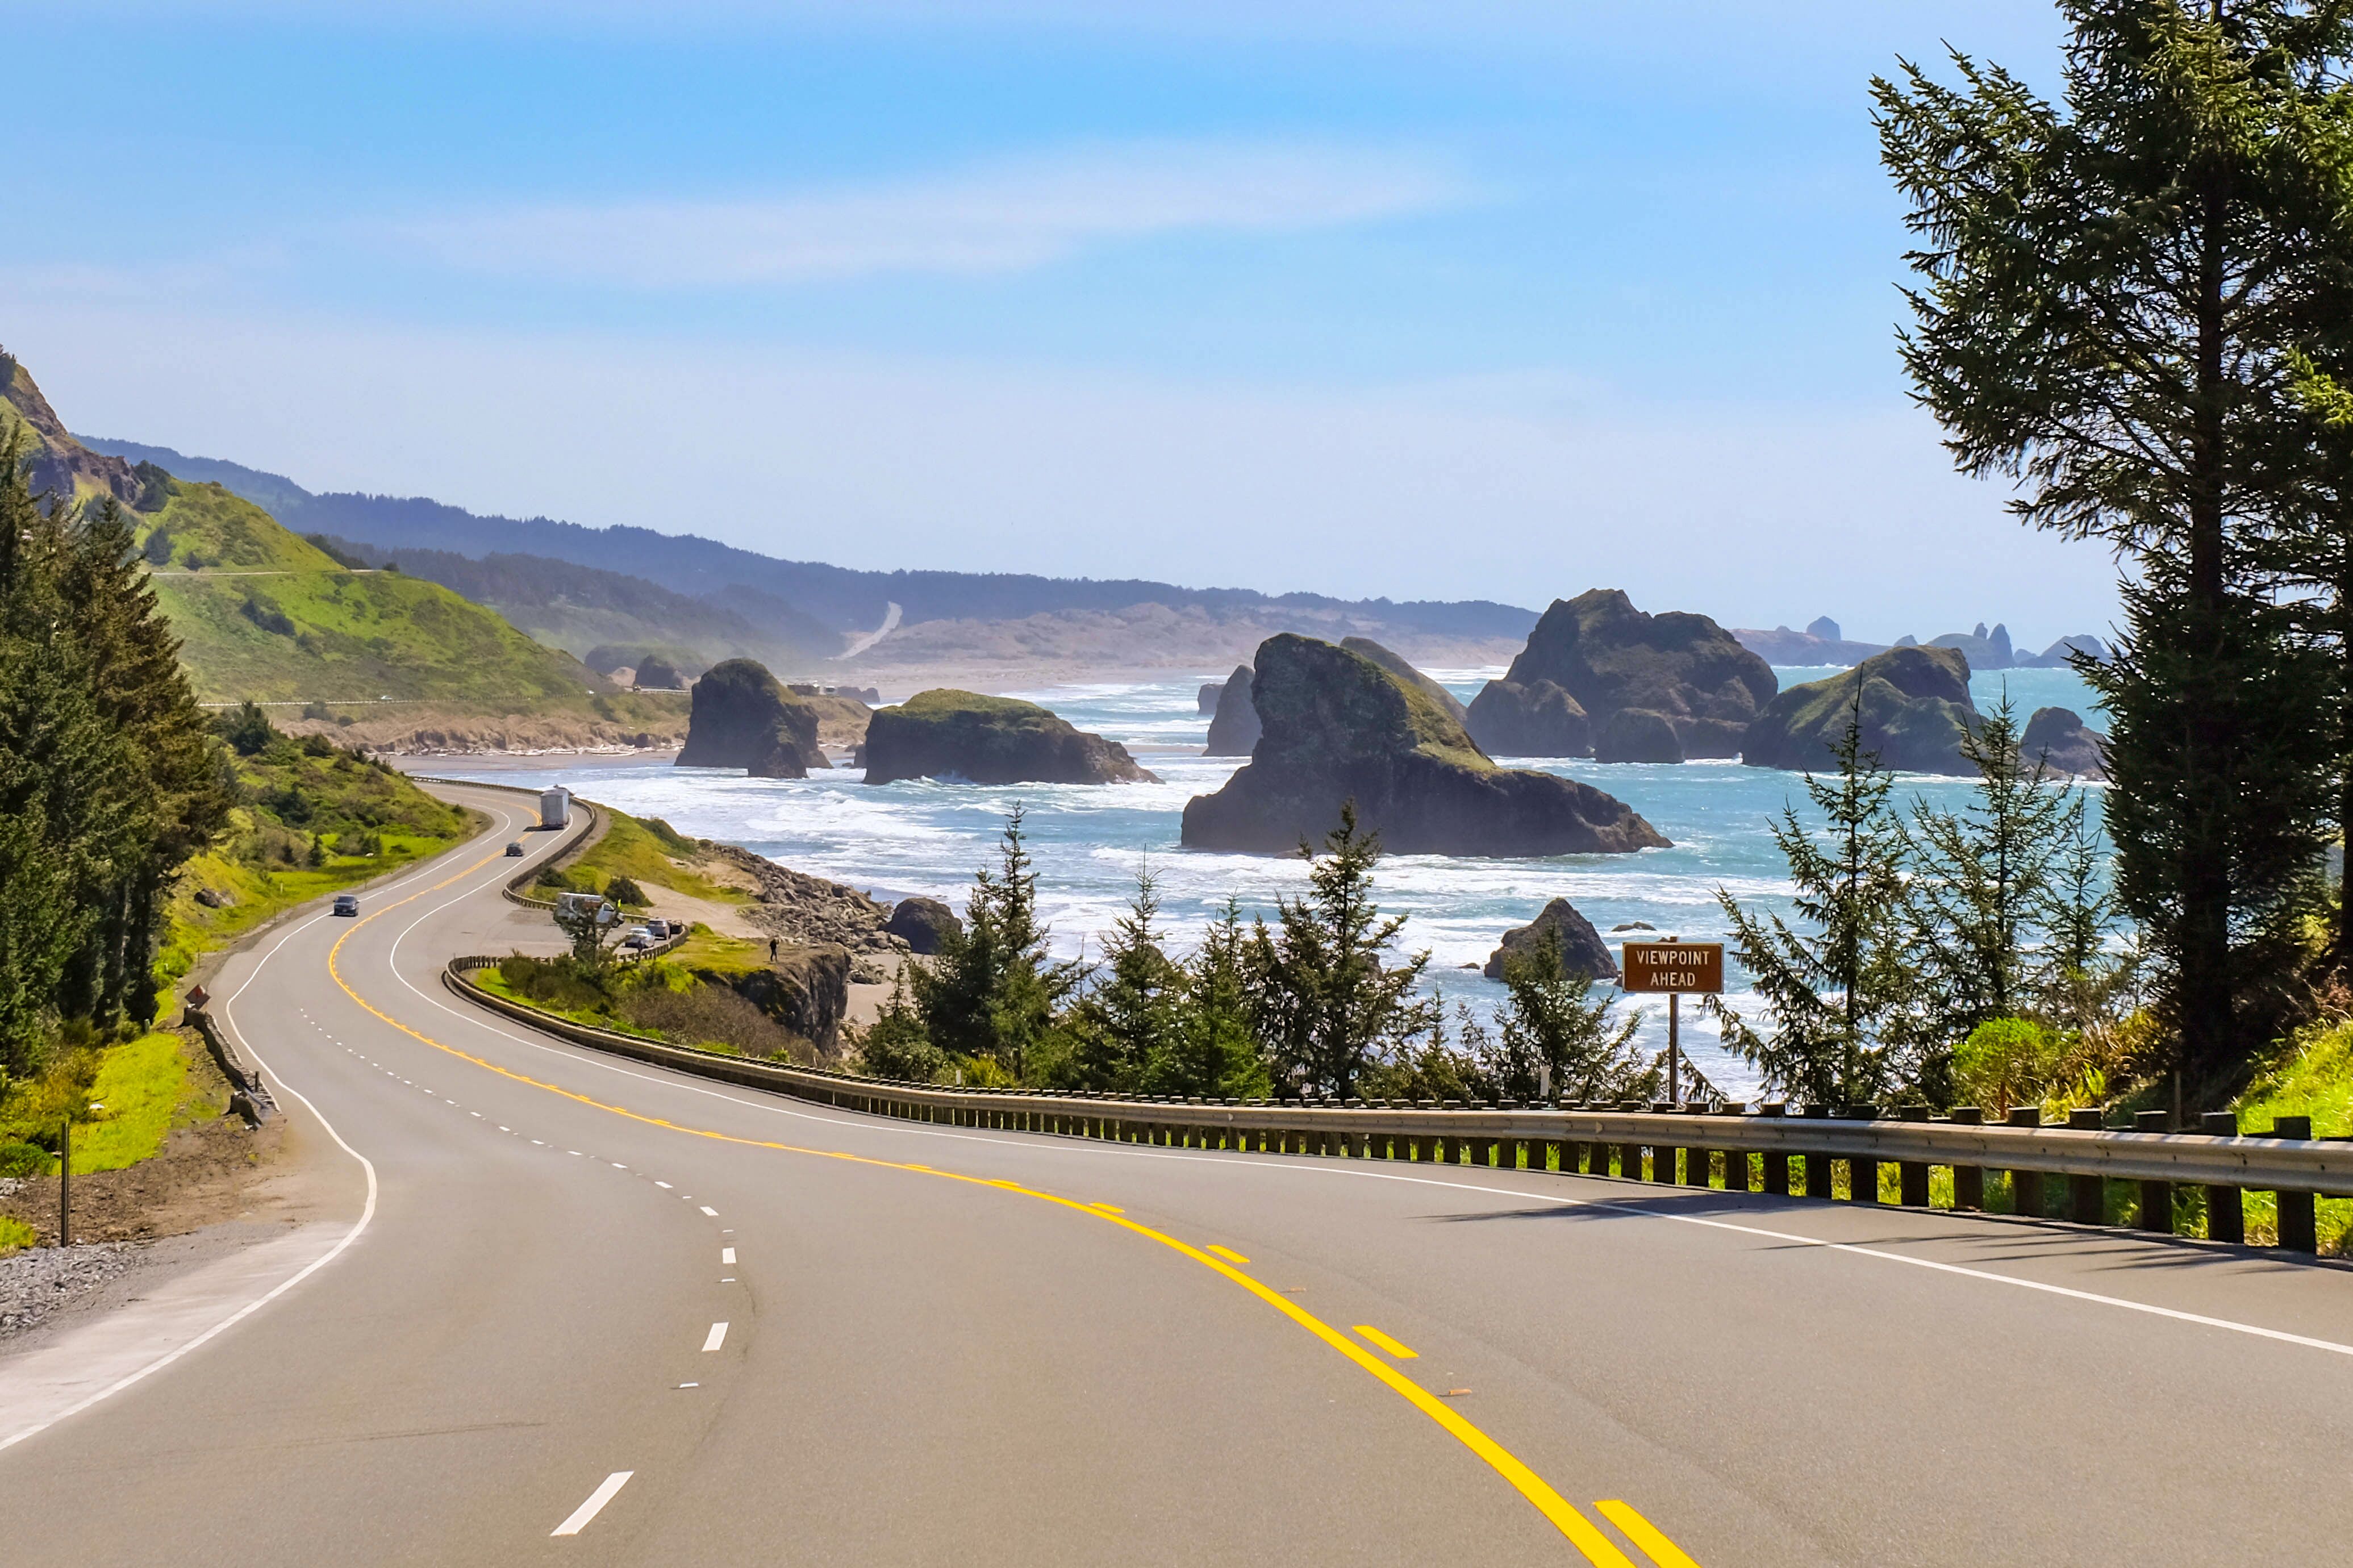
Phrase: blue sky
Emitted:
{"points": [[1427, 301]]}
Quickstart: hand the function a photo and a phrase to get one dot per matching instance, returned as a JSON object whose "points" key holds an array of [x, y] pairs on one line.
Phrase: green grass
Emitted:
{"points": [[141, 1093], [705, 949], [15, 1235], [650, 852]]}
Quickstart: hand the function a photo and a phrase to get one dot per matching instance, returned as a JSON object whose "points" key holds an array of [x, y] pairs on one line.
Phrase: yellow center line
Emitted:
{"points": [[1387, 1344], [1580, 1530], [1645, 1534]]}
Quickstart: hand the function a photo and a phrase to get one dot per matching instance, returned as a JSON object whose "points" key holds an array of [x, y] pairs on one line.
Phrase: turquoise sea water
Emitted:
{"points": [[1090, 841]]}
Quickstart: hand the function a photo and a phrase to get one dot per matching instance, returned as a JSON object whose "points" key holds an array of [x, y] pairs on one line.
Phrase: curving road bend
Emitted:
{"points": [[601, 1313]]}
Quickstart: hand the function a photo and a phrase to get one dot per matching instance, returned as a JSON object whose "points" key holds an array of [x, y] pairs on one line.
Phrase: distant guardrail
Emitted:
{"points": [[1764, 1148]]}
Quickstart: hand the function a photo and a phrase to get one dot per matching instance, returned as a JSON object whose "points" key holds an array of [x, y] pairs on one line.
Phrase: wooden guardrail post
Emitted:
{"points": [[1735, 1161], [1968, 1180], [2298, 1224], [2156, 1197], [1862, 1170], [1697, 1158], [1912, 1175], [1776, 1160], [2226, 1209], [2087, 1197], [1818, 1165], [1662, 1160], [2026, 1186]]}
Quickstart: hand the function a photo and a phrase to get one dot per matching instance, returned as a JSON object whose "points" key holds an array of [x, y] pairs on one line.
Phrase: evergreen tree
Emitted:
{"points": [[1214, 1048], [1131, 1018], [1982, 878], [992, 989], [896, 1045], [1552, 1021], [1841, 993], [2108, 314], [1328, 1002]]}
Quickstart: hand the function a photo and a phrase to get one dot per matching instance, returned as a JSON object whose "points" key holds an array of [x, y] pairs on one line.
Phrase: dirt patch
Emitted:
{"points": [[216, 1170]]}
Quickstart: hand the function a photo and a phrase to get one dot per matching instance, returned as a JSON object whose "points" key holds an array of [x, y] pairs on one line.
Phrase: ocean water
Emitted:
{"points": [[1090, 842]]}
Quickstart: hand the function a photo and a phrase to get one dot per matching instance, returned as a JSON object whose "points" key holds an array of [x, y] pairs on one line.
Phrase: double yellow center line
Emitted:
{"points": [[1581, 1531]]}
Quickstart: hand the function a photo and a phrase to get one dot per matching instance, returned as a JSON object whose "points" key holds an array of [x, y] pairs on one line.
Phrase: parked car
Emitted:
{"points": [[638, 940], [347, 903], [662, 930], [514, 850]]}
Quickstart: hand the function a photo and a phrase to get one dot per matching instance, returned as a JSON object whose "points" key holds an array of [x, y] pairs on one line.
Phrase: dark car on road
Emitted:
{"points": [[347, 903], [514, 849]]}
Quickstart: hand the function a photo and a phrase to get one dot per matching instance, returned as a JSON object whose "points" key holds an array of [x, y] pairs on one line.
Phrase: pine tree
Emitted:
{"points": [[1214, 1049], [1552, 1021], [1982, 878], [1130, 1019], [992, 989], [1328, 1001], [1840, 993], [2108, 315]]}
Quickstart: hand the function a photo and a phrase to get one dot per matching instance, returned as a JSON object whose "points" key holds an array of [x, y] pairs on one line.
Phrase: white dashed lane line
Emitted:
{"points": [[716, 1338], [595, 1505], [727, 1255], [712, 1211]]}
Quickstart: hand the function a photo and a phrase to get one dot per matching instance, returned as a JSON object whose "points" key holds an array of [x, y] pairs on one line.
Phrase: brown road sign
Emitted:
{"points": [[1673, 966]]}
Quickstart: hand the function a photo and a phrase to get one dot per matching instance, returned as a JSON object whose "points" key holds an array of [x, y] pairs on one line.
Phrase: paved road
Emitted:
{"points": [[808, 1337]]}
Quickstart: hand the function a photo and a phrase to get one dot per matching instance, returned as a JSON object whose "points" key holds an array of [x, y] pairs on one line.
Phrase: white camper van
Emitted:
{"points": [[554, 806]]}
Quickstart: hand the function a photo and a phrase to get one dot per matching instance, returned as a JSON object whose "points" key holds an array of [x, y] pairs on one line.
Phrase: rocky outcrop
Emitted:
{"points": [[1207, 697], [1637, 735], [1233, 728], [924, 924], [990, 740], [1783, 646], [1984, 649], [802, 911], [2056, 657], [1582, 951], [1339, 726], [744, 718], [1399, 665], [1916, 708], [655, 673], [1609, 657], [2059, 739], [806, 990]]}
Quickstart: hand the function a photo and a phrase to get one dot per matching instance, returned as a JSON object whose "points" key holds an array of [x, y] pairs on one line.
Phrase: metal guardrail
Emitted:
{"points": [[248, 1093], [512, 892], [1745, 1149]]}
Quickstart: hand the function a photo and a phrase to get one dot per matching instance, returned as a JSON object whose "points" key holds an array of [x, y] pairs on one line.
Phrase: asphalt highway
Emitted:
{"points": [[601, 1313]]}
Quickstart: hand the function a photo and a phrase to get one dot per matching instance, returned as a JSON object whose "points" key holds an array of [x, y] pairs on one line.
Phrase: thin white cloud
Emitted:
{"points": [[1005, 217]]}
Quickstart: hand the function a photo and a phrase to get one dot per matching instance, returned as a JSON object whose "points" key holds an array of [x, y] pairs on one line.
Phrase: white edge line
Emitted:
{"points": [[595, 1505]]}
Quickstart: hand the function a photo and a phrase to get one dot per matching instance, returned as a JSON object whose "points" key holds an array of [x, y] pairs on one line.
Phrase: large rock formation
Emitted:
{"points": [[1916, 709], [2057, 656], [1984, 649], [1608, 658], [1207, 697], [742, 717], [1399, 665], [2059, 739], [806, 990], [1338, 727], [924, 924], [1582, 951], [988, 740], [1233, 725]]}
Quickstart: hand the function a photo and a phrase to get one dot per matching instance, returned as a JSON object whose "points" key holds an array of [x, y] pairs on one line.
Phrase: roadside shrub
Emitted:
{"points": [[622, 890], [23, 1159], [563, 984], [551, 879], [2005, 1062], [246, 728], [713, 1015]]}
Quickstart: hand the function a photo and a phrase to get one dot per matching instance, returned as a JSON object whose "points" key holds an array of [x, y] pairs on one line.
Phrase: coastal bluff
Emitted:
{"points": [[1916, 709], [950, 734], [1601, 677], [744, 718], [1338, 726]]}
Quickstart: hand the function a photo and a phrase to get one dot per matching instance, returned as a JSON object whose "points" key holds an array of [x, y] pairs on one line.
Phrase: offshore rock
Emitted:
{"points": [[1339, 726], [1207, 697], [1233, 726], [2059, 739], [1536, 719], [1401, 667], [744, 718], [1638, 735], [953, 734], [1916, 709], [1607, 657], [924, 924], [1582, 951]]}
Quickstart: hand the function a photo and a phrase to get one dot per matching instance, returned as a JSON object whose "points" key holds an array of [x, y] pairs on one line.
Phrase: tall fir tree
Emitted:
{"points": [[2107, 315], [1132, 1015], [993, 989]]}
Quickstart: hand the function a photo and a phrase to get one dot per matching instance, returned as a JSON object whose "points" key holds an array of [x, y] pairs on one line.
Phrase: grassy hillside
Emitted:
{"points": [[265, 616]]}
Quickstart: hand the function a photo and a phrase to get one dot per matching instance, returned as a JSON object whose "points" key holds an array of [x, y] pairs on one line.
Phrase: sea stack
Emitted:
{"points": [[2059, 740], [744, 718], [1916, 709], [1600, 676], [1233, 722], [963, 735], [1337, 726], [1582, 951]]}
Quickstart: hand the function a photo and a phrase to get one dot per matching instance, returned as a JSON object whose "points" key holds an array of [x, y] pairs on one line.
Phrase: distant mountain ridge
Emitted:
{"points": [[844, 598]]}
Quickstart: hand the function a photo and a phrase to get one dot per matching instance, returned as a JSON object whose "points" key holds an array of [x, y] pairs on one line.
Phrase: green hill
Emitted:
{"points": [[267, 616]]}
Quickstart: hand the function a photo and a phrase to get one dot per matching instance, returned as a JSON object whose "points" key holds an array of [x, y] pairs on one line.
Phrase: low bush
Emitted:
{"points": [[23, 1159]]}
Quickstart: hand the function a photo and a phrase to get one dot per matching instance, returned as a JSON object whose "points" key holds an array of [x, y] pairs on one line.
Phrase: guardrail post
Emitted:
{"points": [[1776, 1160], [1662, 1160], [2156, 1197], [1968, 1180], [1818, 1166], [1862, 1171], [1696, 1161], [2087, 1197], [1912, 1175], [2026, 1186], [2299, 1229], [2226, 1210], [1735, 1161]]}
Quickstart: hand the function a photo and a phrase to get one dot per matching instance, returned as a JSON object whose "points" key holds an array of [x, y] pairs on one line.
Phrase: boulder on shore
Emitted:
{"points": [[744, 718], [1233, 726], [1916, 708], [2059, 739], [1582, 951], [1339, 726], [922, 925], [946, 733], [1609, 658]]}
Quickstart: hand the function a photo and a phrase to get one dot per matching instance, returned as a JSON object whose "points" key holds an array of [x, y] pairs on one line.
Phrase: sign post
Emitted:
{"points": [[1674, 967]]}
